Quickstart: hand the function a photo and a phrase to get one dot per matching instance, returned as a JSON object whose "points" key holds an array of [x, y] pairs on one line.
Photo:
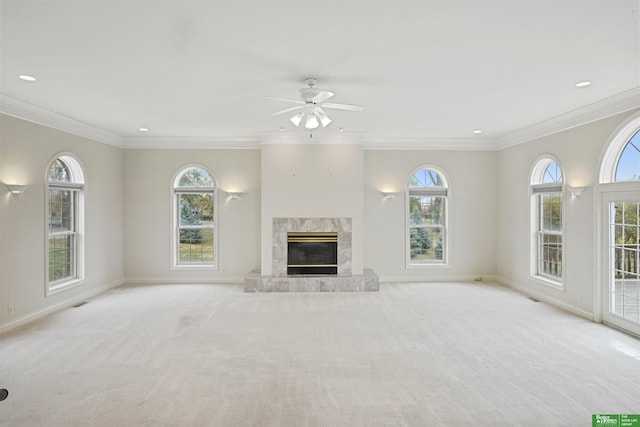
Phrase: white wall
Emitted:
{"points": [[25, 151], [312, 180], [578, 151], [472, 212], [128, 210], [148, 198]]}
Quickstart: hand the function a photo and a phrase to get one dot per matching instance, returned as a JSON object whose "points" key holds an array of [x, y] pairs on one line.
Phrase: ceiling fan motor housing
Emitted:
{"points": [[308, 93]]}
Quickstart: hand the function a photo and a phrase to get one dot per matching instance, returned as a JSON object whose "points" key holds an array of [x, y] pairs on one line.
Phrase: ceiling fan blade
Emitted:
{"points": [[285, 100], [322, 96], [286, 110], [348, 107]]}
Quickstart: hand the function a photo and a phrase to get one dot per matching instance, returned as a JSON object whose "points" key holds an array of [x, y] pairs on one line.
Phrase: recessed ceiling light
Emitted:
{"points": [[27, 78], [583, 83], [144, 129], [477, 131], [340, 129], [281, 129]]}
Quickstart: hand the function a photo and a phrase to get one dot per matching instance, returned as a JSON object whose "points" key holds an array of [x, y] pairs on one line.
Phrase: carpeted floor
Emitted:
{"points": [[429, 354]]}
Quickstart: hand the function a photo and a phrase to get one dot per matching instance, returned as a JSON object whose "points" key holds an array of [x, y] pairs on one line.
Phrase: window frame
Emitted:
{"points": [[614, 148], [444, 193], [538, 189], [76, 185], [609, 190], [176, 192]]}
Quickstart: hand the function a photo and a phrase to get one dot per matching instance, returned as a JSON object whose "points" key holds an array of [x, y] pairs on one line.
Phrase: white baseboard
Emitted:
{"points": [[431, 278], [542, 297], [30, 317], [233, 280]]}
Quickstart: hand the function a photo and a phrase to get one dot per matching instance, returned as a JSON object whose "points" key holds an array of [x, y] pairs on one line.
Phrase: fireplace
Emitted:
{"points": [[336, 229], [312, 253]]}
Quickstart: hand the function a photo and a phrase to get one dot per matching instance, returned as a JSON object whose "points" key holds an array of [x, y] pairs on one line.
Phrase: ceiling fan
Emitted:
{"points": [[311, 108]]}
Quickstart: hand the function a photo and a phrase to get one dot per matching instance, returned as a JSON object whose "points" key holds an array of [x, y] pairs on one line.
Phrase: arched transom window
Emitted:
{"points": [[628, 165], [194, 218], [427, 217]]}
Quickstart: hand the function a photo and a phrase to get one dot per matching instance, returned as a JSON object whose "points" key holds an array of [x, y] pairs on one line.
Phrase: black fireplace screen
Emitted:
{"points": [[312, 253]]}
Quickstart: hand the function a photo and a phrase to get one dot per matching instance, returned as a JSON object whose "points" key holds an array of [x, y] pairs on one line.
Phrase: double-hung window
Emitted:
{"points": [[65, 223], [547, 182], [427, 218], [194, 219]]}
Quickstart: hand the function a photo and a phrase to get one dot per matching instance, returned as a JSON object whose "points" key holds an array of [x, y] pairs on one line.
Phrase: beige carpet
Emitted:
{"points": [[440, 354]]}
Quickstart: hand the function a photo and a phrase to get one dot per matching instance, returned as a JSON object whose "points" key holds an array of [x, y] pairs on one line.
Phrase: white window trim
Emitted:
{"points": [[614, 147], [426, 191], [78, 184], [607, 189], [535, 190], [540, 233], [175, 212]]}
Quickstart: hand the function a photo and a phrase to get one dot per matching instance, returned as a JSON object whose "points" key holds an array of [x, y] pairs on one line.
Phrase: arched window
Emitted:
{"points": [[427, 217], [194, 218], [620, 250], [65, 223], [547, 206]]}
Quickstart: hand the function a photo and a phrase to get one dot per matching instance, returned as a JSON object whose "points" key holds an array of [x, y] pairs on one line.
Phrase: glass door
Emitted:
{"points": [[621, 306]]}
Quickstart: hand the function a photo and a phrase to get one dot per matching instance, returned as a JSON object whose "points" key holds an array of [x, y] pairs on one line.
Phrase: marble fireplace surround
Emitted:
{"points": [[344, 281], [282, 226]]}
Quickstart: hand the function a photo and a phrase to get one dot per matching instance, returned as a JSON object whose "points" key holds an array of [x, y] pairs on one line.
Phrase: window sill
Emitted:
{"points": [[428, 265], [543, 280], [194, 267], [63, 286]]}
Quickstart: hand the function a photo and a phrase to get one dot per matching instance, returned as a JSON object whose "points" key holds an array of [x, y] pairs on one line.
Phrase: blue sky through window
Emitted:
{"points": [[426, 178], [552, 174], [628, 167]]}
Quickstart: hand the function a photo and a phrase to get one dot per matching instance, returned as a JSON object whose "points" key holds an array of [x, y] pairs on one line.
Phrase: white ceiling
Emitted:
{"points": [[423, 70]]}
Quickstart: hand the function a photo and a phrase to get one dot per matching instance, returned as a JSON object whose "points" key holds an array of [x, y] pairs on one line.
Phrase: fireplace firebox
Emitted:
{"points": [[312, 253]]}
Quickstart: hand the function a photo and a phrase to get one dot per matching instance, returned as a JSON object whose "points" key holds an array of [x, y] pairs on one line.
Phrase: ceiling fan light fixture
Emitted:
{"points": [[325, 121], [297, 119], [322, 116], [312, 122], [311, 106]]}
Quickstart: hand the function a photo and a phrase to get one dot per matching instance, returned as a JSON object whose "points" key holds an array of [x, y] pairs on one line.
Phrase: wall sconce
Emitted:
{"points": [[575, 191], [16, 189], [388, 195], [233, 195]]}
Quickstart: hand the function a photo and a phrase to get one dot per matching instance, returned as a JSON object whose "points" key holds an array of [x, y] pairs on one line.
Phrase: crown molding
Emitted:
{"points": [[283, 138], [604, 108], [324, 137], [429, 144], [373, 143], [32, 113], [191, 143], [607, 107]]}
